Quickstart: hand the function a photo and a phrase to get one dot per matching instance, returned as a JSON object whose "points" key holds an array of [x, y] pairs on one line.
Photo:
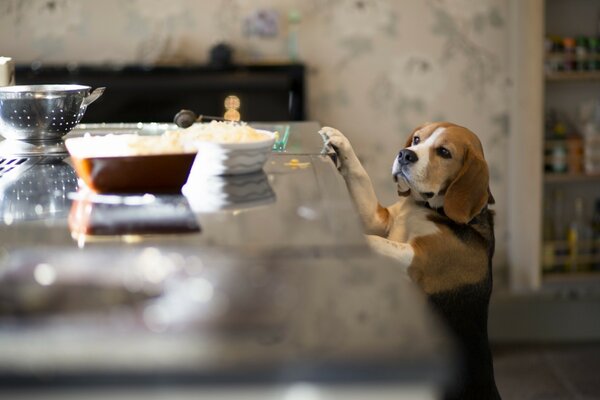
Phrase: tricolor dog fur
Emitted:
{"points": [[440, 232]]}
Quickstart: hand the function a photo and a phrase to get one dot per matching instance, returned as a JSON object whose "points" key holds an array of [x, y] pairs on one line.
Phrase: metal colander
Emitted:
{"points": [[41, 113]]}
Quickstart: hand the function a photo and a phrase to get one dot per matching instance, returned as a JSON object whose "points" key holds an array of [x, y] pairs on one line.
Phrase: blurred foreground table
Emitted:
{"points": [[260, 287]]}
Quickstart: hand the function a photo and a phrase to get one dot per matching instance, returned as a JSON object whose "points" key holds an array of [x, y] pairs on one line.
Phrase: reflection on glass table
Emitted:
{"points": [[233, 192], [104, 215], [37, 192]]}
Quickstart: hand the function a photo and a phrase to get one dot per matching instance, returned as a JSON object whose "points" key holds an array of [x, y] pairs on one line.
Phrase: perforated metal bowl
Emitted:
{"points": [[43, 112]]}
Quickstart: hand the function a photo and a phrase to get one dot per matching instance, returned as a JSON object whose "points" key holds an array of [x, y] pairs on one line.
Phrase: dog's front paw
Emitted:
{"points": [[335, 139], [341, 145]]}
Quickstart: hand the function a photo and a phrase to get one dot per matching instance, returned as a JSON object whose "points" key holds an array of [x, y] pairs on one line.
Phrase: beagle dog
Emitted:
{"points": [[440, 232]]}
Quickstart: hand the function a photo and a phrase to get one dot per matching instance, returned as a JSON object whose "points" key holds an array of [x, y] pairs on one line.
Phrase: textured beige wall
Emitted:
{"points": [[377, 68]]}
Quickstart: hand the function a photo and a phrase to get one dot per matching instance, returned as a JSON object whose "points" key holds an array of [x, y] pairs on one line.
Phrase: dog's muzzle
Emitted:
{"points": [[405, 157]]}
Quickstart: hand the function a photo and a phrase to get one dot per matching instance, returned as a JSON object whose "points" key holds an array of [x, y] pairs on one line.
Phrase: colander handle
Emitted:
{"points": [[93, 96]]}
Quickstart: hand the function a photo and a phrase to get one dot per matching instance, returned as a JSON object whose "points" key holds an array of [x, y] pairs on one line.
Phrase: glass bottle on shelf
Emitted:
{"points": [[559, 229], [556, 143], [590, 129], [294, 18], [579, 238], [581, 53], [596, 237], [594, 51], [574, 152], [548, 247], [569, 62], [559, 148]]}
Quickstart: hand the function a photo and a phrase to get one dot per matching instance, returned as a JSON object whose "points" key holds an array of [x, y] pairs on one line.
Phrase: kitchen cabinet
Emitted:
{"points": [[545, 198], [571, 186]]}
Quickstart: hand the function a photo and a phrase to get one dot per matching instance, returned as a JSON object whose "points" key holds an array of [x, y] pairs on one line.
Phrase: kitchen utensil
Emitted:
{"points": [[38, 116], [106, 165], [157, 173], [186, 118]]}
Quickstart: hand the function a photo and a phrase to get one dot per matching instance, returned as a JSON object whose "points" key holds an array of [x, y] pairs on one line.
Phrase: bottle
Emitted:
{"points": [[555, 147], [594, 53], [548, 248], [559, 148], [569, 53], [292, 42], [574, 152], [579, 238], [559, 229], [596, 237], [551, 49], [581, 53], [590, 128]]}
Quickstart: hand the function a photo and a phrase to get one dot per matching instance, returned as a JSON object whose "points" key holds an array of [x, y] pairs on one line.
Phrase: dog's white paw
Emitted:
{"points": [[334, 138]]}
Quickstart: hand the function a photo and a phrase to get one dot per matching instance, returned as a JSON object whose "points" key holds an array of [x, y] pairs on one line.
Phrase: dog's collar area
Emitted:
{"points": [[440, 210]]}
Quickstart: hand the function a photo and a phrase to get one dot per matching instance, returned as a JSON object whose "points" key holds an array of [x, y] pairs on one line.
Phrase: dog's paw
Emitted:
{"points": [[336, 140]]}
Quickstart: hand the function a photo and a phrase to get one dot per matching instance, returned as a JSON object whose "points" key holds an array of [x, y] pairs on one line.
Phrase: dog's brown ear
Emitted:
{"points": [[469, 193], [491, 199]]}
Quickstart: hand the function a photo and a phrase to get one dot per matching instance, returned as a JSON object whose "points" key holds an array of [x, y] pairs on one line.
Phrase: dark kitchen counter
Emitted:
{"points": [[272, 284]]}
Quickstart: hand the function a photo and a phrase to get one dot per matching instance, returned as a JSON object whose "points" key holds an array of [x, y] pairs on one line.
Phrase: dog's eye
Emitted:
{"points": [[416, 140], [443, 152]]}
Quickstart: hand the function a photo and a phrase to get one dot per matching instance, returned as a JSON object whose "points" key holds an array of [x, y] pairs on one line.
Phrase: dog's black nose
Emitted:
{"points": [[407, 156]]}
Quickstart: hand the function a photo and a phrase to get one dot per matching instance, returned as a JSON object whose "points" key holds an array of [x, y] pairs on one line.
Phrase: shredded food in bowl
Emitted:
{"points": [[220, 132], [170, 142]]}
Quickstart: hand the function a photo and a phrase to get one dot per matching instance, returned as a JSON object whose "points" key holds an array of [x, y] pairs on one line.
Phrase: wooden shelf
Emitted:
{"points": [[570, 178], [572, 76]]}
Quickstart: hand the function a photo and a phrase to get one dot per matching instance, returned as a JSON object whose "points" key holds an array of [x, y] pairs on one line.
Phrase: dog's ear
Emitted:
{"points": [[491, 199], [469, 193]]}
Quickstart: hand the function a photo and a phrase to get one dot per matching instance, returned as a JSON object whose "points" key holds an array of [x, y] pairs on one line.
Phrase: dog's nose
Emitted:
{"points": [[407, 156]]}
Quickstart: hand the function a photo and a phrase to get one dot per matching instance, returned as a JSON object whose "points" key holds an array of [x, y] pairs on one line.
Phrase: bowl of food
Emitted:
{"points": [[131, 163], [163, 162], [43, 112], [228, 148]]}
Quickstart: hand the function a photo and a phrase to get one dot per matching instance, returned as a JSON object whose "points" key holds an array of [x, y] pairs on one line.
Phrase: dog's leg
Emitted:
{"points": [[403, 253], [374, 217]]}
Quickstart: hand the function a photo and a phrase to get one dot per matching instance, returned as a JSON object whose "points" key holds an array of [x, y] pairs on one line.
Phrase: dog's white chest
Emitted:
{"points": [[409, 220]]}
